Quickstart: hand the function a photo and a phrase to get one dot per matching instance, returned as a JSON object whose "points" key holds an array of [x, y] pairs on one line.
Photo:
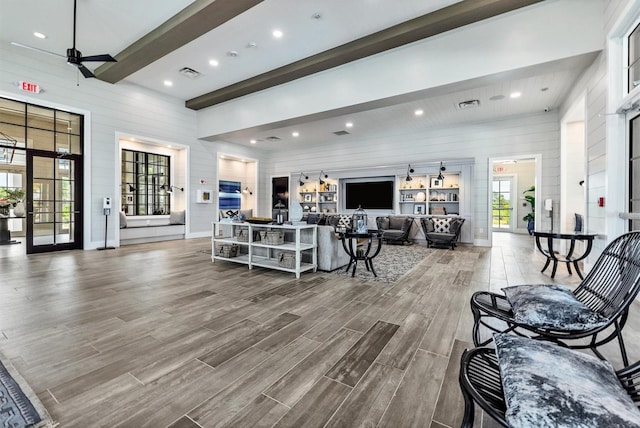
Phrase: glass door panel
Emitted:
{"points": [[501, 204], [54, 217]]}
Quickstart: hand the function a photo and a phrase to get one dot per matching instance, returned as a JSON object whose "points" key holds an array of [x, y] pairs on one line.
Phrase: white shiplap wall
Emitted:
{"points": [[527, 135], [121, 108]]}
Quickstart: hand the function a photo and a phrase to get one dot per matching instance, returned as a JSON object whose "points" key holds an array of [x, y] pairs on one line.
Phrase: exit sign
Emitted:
{"points": [[34, 88]]}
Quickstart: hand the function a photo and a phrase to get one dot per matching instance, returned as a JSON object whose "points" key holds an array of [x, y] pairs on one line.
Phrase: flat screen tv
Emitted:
{"points": [[370, 195]]}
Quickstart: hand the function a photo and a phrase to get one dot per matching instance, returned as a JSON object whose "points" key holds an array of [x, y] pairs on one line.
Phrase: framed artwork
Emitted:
{"points": [[229, 195], [436, 183], [307, 197], [204, 196], [419, 209], [129, 199]]}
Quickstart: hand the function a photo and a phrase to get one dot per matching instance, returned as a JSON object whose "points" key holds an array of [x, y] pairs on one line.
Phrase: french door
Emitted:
{"points": [[501, 204], [54, 201]]}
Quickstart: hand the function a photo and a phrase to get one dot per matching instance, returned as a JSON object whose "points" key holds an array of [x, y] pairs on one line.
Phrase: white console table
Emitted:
{"points": [[254, 252]]}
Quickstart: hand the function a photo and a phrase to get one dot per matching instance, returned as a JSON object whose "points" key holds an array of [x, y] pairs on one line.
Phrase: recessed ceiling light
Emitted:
{"points": [[545, 89], [295, 133], [39, 35], [277, 34], [418, 112], [349, 124], [515, 94], [214, 62], [497, 97], [316, 15], [252, 141], [251, 45], [168, 83], [233, 54]]}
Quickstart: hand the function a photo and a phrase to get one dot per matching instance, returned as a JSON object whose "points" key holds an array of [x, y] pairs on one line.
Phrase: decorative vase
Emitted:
{"points": [[18, 209], [295, 211]]}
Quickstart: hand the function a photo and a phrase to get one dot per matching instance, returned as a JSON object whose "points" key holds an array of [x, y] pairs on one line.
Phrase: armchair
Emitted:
{"points": [[442, 231], [599, 305], [395, 229]]}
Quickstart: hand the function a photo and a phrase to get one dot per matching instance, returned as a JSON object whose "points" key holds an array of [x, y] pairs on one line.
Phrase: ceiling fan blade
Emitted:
{"points": [[105, 58], [37, 49], [85, 71]]}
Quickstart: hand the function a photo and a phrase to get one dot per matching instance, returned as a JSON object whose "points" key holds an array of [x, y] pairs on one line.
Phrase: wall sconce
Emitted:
{"points": [[131, 188], [300, 179], [322, 182], [442, 168], [409, 171], [169, 188], [247, 191]]}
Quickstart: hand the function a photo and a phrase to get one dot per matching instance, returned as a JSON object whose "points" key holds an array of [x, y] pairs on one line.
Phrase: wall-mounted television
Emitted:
{"points": [[370, 195]]}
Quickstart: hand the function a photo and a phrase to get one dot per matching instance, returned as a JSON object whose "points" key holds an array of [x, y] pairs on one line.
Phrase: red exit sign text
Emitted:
{"points": [[34, 88]]}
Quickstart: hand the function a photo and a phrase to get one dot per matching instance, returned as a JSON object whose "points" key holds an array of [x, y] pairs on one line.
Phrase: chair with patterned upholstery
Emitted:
{"points": [[598, 306], [442, 231], [533, 383]]}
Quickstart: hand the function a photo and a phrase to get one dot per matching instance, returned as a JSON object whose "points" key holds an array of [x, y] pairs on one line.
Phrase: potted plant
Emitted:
{"points": [[12, 197], [530, 218]]}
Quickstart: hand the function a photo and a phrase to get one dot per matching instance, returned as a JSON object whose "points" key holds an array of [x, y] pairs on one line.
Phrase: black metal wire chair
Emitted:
{"points": [[609, 289], [481, 384]]}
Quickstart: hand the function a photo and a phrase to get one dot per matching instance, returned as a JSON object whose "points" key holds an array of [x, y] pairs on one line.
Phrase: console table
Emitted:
{"points": [[5, 233], [550, 254], [361, 252], [250, 250]]}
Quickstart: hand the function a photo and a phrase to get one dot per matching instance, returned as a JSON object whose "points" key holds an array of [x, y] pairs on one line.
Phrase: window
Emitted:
{"points": [[145, 183], [634, 171], [633, 59]]}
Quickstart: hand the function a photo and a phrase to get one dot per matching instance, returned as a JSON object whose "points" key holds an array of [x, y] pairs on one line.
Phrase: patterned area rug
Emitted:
{"points": [[19, 405], [392, 262]]}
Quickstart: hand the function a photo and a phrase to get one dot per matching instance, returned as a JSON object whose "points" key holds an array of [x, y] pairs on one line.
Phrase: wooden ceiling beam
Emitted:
{"points": [[437, 22], [193, 21]]}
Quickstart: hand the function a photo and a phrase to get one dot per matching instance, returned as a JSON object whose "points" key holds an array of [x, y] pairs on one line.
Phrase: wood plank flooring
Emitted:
{"points": [[155, 335]]}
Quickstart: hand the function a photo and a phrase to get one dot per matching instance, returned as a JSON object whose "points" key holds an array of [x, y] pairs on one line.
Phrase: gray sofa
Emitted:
{"points": [[331, 255]]}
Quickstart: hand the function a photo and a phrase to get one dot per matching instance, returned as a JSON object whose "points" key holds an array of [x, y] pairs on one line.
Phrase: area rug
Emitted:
{"points": [[392, 262], [19, 405]]}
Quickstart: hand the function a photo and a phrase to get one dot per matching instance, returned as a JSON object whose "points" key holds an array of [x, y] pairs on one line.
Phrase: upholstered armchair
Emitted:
{"points": [[395, 229], [442, 231]]}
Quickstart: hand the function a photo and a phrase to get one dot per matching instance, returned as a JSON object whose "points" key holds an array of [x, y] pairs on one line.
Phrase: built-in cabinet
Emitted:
{"points": [[427, 194], [319, 198], [290, 248]]}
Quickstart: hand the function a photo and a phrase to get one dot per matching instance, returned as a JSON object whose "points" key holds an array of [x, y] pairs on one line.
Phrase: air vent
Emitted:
{"points": [[189, 72], [272, 138], [468, 104], [341, 133]]}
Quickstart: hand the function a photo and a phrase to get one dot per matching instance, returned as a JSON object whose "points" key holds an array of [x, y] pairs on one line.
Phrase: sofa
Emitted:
{"points": [[395, 228], [442, 231], [331, 254]]}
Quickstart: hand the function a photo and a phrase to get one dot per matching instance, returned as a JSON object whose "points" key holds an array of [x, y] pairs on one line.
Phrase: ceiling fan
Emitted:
{"points": [[74, 56]]}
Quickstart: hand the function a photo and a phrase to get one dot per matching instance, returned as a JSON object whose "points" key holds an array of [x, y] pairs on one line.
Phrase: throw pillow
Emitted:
{"points": [[396, 223], [427, 224], [344, 222], [455, 225], [176, 217], [551, 306], [546, 385], [441, 225], [383, 223], [123, 220]]}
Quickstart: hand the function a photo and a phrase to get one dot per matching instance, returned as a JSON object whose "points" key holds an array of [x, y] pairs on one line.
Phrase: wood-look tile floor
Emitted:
{"points": [[156, 335]]}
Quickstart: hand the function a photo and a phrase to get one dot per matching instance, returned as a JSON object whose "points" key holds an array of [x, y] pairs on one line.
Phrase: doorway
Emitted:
{"points": [[510, 180], [502, 201], [54, 201]]}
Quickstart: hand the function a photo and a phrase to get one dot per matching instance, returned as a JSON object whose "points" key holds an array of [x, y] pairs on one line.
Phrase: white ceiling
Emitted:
{"points": [[110, 26]]}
